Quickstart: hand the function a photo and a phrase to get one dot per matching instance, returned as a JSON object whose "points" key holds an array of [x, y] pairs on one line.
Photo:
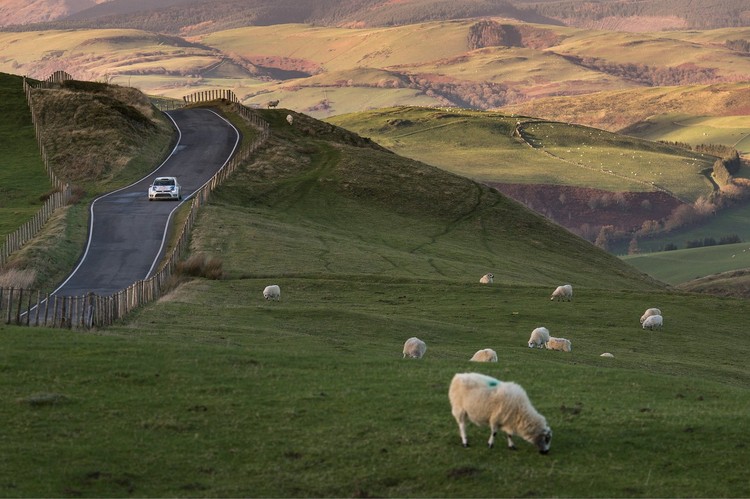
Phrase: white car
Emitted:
{"points": [[165, 188]]}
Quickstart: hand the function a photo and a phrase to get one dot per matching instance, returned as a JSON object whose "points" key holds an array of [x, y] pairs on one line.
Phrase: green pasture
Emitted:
{"points": [[23, 179], [480, 145], [215, 392], [682, 265], [732, 131], [309, 396]]}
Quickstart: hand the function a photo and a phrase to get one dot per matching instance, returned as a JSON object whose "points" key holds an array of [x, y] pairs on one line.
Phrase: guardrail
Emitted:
{"points": [[33, 308]]}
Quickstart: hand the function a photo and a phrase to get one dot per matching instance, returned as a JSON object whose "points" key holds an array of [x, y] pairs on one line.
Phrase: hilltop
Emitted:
{"points": [[194, 15]]}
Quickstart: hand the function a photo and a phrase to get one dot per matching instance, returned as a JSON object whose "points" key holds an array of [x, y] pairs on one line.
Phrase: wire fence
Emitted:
{"points": [[33, 308]]}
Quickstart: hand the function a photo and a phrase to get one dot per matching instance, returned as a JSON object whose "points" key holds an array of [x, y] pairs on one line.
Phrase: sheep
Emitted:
{"points": [[486, 355], [653, 322], [564, 292], [486, 401], [649, 312], [539, 337], [487, 279], [272, 292], [272, 103], [414, 348], [561, 344], [289, 119], [607, 354]]}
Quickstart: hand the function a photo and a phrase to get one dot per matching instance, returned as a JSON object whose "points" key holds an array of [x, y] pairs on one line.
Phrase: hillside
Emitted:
{"points": [[328, 188], [309, 396], [177, 16]]}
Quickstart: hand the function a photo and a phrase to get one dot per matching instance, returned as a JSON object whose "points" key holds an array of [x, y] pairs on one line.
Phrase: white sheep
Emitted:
{"points": [[486, 401], [414, 348], [486, 355], [653, 322], [272, 292], [607, 354], [649, 312], [564, 292], [561, 344], [487, 279], [539, 337], [289, 119]]}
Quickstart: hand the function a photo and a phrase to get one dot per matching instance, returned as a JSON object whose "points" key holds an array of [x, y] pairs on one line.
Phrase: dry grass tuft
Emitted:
{"points": [[201, 266], [17, 278]]}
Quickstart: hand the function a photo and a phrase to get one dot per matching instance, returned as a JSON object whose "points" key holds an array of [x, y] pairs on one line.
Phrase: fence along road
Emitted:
{"points": [[127, 232]]}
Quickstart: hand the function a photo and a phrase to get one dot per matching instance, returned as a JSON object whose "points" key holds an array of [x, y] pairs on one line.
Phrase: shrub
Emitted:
{"points": [[201, 266]]}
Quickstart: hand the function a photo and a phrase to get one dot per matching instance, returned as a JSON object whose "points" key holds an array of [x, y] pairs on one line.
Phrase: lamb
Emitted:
{"points": [[653, 322], [487, 279], [486, 401], [561, 344], [649, 312], [564, 292], [272, 292], [414, 348], [539, 337], [486, 355]]}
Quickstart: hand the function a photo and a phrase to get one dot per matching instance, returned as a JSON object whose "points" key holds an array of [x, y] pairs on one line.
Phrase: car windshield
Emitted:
{"points": [[164, 181]]}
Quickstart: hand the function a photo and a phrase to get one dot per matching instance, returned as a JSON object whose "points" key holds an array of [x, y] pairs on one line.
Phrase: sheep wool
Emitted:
{"points": [[486, 355], [564, 292], [561, 344], [272, 292], [414, 348], [487, 279], [649, 312], [486, 401], [539, 337], [653, 322]]}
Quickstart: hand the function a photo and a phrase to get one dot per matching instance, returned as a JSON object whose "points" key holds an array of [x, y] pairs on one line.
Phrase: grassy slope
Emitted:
{"points": [[23, 180], [215, 392], [479, 145]]}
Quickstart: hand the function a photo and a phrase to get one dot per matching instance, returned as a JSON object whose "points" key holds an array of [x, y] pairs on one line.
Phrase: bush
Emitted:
{"points": [[201, 266]]}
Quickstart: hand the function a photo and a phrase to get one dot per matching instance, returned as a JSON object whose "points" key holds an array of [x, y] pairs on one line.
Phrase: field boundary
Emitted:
{"points": [[30, 307]]}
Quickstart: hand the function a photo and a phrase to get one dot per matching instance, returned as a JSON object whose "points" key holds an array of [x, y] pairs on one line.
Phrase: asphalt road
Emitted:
{"points": [[127, 232]]}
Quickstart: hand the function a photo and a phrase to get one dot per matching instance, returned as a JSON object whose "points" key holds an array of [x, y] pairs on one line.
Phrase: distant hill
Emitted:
{"points": [[36, 11], [180, 16]]}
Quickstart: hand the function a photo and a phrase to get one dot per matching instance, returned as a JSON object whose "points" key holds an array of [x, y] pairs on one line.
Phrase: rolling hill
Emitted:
{"points": [[310, 396]]}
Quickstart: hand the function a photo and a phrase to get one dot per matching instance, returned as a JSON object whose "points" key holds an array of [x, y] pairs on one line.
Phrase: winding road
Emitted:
{"points": [[127, 232]]}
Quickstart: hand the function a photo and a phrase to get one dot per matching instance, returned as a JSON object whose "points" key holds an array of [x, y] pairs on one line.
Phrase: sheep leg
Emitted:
{"points": [[511, 445], [491, 441], [461, 420]]}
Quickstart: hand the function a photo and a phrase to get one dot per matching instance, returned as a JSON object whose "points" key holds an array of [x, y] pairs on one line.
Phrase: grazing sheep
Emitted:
{"points": [[486, 401], [414, 348], [649, 312], [486, 355], [607, 354], [559, 344], [289, 119], [272, 103], [539, 337], [272, 292], [564, 292], [653, 322], [487, 279]]}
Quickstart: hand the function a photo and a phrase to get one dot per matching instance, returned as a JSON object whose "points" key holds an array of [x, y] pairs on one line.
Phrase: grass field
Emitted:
{"points": [[215, 392], [480, 145], [23, 179]]}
